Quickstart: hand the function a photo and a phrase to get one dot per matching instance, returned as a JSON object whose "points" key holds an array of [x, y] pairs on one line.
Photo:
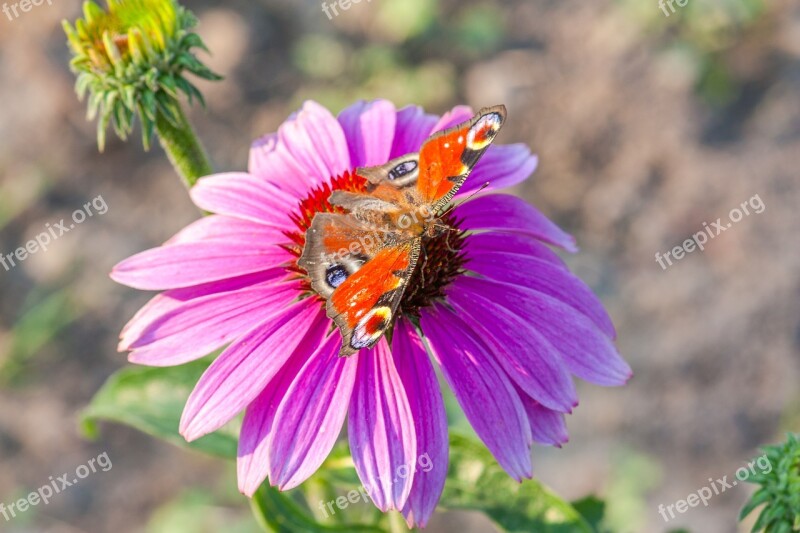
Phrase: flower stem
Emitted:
{"points": [[183, 148]]}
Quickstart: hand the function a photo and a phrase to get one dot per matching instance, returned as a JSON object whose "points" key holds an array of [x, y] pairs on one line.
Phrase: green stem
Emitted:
{"points": [[183, 148]]}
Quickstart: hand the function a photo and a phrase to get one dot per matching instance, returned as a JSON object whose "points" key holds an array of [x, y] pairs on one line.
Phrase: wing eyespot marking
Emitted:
{"points": [[335, 275], [370, 328], [404, 168]]}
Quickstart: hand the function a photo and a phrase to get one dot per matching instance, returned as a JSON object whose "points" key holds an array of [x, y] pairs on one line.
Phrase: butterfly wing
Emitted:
{"points": [[362, 273], [442, 165], [447, 157]]}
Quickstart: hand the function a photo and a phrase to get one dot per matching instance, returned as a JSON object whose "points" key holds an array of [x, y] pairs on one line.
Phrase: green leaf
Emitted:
{"points": [[592, 509], [151, 400], [476, 482], [277, 511]]}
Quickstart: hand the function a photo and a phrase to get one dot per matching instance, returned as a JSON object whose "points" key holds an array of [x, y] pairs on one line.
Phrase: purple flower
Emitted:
{"points": [[506, 321]]}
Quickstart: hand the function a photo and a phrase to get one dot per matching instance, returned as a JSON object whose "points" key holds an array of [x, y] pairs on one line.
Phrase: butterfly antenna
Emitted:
{"points": [[453, 206], [424, 262]]}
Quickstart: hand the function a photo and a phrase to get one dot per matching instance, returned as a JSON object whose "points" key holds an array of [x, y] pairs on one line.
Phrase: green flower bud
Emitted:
{"points": [[132, 60]]}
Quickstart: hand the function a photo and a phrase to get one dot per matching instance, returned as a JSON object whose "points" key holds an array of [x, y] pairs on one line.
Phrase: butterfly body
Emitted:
{"points": [[360, 262]]}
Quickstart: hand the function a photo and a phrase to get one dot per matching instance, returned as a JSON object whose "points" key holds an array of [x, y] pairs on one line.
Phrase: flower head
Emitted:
{"points": [[132, 59], [500, 313]]}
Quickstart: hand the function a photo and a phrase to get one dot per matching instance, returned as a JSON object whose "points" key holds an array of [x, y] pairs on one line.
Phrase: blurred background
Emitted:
{"points": [[646, 126]]}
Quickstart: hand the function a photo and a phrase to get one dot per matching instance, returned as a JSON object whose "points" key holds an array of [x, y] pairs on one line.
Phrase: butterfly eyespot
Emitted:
{"points": [[402, 169], [484, 131], [335, 275], [370, 328]]}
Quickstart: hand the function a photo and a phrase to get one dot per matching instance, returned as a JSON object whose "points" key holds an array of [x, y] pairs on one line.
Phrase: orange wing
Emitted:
{"points": [[364, 305], [447, 157]]}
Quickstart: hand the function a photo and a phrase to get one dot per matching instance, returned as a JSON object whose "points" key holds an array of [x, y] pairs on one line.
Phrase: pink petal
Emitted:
{"points": [[169, 300], [526, 356], [271, 161], [200, 326], [311, 415], [183, 265], [259, 420], [381, 429], [243, 370], [369, 128], [224, 228], [246, 197], [546, 278], [430, 424], [315, 140], [503, 212], [412, 128], [260, 151], [457, 115], [482, 388]]}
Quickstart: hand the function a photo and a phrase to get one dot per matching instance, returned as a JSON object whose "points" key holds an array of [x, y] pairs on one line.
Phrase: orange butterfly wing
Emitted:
{"points": [[447, 158], [364, 305]]}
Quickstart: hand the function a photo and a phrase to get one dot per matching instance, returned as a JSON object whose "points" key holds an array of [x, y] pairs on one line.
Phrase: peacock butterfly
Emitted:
{"points": [[360, 261]]}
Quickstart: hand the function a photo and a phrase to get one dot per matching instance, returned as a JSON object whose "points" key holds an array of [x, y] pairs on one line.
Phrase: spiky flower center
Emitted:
{"points": [[441, 259], [130, 29]]}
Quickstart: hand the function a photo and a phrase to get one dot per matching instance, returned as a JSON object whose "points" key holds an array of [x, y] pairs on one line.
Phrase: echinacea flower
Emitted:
{"points": [[500, 313]]}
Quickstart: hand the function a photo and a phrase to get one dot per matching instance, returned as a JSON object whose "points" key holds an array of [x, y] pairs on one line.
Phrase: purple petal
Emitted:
{"points": [[546, 278], [413, 127], [490, 242], [246, 197], [224, 228], [315, 140], [242, 371], [531, 361], [430, 424], [457, 115], [482, 388], [587, 352], [200, 326], [503, 212], [252, 462], [501, 166], [311, 415], [547, 426], [187, 264], [381, 429], [369, 129]]}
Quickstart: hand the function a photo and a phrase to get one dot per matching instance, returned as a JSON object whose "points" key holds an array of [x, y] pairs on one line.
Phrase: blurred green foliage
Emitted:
{"points": [[703, 32], [43, 317]]}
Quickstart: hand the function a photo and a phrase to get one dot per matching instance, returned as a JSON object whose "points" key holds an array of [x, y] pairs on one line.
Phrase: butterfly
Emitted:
{"points": [[360, 261]]}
